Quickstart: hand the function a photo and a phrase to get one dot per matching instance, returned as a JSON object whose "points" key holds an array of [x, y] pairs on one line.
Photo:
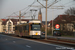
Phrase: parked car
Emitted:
{"points": [[56, 33], [43, 33]]}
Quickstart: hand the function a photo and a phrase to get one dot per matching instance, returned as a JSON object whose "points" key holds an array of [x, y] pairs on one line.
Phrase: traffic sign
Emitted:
{"points": [[57, 26], [57, 29]]}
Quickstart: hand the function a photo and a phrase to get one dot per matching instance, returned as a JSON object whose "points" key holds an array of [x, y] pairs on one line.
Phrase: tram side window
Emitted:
{"points": [[20, 29], [27, 27], [16, 28], [24, 27]]}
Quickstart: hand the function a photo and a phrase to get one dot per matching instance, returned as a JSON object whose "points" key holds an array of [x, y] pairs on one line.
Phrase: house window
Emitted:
{"points": [[74, 25], [9, 26], [4, 26], [4, 29]]}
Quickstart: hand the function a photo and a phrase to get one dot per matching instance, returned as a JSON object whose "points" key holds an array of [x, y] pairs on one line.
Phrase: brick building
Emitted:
{"points": [[66, 22]]}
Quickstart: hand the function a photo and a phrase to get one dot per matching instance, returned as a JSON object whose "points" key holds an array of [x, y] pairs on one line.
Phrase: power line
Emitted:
{"points": [[23, 9], [28, 7], [49, 2], [70, 5], [67, 3]]}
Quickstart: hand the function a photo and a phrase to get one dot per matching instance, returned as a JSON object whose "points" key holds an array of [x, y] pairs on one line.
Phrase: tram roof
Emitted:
{"points": [[35, 21]]}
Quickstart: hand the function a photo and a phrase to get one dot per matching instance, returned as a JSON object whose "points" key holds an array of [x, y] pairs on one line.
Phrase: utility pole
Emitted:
{"points": [[52, 26], [46, 15], [31, 14], [46, 22], [19, 17]]}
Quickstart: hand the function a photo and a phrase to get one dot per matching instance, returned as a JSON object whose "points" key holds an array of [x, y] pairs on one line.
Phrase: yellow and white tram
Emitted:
{"points": [[31, 29]]}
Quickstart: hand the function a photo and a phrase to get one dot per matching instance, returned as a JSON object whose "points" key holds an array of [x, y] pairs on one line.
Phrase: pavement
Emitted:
{"points": [[14, 43], [60, 37]]}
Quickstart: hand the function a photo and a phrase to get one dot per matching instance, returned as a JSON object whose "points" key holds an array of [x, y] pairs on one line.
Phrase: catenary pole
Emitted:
{"points": [[19, 17], [46, 23], [46, 15]]}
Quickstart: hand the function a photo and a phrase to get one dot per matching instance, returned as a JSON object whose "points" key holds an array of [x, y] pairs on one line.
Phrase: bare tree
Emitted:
{"points": [[70, 11]]}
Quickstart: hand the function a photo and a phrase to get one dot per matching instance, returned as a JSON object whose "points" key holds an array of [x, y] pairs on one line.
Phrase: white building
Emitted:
{"points": [[8, 26], [1, 26]]}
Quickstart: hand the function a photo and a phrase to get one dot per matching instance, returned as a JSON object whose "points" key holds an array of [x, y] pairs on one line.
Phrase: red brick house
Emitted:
{"points": [[66, 22]]}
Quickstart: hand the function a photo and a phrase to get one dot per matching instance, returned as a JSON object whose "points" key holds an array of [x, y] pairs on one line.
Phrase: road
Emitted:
{"points": [[14, 43]]}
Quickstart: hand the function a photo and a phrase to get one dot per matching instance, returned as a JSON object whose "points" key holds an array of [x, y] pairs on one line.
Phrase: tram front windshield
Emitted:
{"points": [[35, 27]]}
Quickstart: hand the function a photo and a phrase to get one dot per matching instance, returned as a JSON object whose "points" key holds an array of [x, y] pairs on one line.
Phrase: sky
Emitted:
{"points": [[12, 8]]}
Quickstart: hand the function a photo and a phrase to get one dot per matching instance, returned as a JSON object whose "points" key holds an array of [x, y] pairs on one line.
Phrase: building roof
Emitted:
{"points": [[0, 20], [50, 21], [63, 19], [3, 19], [14, 21]]}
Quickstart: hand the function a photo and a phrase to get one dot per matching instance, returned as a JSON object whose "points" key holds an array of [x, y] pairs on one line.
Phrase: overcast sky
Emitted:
{"points": [[8, 7]]}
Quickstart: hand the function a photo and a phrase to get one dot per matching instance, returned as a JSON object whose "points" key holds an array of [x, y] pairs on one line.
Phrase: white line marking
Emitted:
{"points": [[6, 39], [28, 46], [13, 41]]}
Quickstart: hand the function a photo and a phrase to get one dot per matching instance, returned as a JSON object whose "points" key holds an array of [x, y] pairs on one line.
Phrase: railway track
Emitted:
{"points": [[57, 42], [69, 43], [54, 41]]}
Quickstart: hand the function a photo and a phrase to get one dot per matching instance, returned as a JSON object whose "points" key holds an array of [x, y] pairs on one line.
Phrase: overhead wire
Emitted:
{"points": [[23, 9], [66, 3], [29, 7], [32, 4], [49, 2], [70, 5], [25, 12]]}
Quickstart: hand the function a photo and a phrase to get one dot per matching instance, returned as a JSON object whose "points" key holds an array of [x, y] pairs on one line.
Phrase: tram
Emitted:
{"points": [[30, 29]]}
